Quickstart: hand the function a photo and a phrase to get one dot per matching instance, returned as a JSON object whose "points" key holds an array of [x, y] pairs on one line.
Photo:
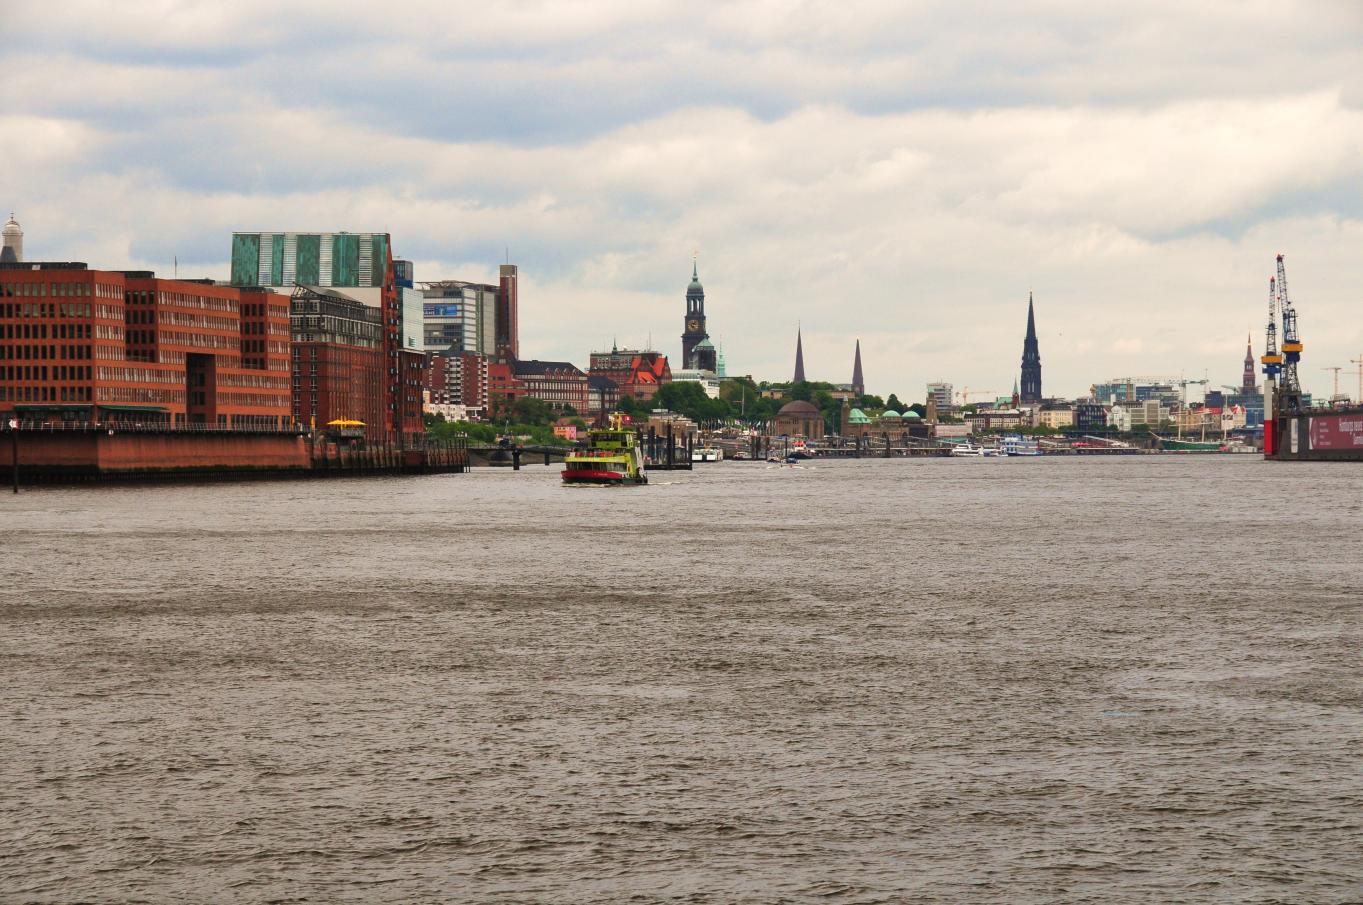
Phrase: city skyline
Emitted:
{"points": [[908, 198]]}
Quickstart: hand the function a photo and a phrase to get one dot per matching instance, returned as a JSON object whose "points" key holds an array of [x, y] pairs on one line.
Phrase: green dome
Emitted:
{"points": [[891, 413], [857, 416], [911, 414]]}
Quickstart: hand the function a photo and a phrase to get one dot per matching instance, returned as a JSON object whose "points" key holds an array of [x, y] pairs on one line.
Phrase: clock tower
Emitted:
{"points": [[697, 350]]}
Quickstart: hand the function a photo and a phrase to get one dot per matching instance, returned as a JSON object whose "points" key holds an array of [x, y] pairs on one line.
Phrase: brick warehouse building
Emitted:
{"points": [[360, 267], [337, 359], [124, 346]]}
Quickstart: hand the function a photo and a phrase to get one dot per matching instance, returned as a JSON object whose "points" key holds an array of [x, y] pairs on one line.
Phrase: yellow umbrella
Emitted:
{"points": [[345, 422]]}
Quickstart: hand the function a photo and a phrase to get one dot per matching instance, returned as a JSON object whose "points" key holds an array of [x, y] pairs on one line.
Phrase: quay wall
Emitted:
{"points": [[99, 452]]}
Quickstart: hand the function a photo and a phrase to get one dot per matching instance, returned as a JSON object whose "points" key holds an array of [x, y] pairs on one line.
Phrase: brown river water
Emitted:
{"points": [[1049, 680]]}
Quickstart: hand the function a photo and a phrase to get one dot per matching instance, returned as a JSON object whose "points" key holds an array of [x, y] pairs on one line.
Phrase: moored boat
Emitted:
{"points": [[1018, 445], [970, 450], [612, 456]]}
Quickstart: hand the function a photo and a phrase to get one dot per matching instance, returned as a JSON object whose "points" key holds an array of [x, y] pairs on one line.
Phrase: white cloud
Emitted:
{"points": [[904, 176]]}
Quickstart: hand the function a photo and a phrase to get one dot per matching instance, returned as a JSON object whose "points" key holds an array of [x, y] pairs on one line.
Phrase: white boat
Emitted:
{"points": [[1018, 445], [971, 450], [707, 454]]}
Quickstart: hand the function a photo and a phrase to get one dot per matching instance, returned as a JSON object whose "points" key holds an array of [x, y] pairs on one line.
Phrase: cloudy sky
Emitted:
{"points": [[899, 172]]}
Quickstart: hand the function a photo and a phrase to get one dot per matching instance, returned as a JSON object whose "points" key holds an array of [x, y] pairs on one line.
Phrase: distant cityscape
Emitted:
{"points": [[318, 329]]}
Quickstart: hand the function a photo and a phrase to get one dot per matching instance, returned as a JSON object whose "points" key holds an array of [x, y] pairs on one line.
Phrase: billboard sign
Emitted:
{"points": [[442, 310], [1337, 432]]}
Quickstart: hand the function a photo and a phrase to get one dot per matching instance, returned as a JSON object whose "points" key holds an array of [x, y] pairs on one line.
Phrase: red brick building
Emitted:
{"points": [[507, 327], [558, 383], [338, 355], [637, 374], [124, 346], [503, 387], [458, 378]]}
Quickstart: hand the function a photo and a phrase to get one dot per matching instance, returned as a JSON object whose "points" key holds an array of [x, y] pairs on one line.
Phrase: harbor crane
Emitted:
{"points": [[1273, 364], [1359, 361], [1292, 345]]}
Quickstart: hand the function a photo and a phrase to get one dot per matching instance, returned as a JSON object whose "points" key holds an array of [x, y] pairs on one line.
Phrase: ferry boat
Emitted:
{"points": [[970, 450], [1018, 445], [707, 454], [612, 456]]}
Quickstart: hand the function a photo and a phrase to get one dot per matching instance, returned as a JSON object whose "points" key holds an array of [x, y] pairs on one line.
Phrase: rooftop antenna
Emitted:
{"points": [[508, 254]]}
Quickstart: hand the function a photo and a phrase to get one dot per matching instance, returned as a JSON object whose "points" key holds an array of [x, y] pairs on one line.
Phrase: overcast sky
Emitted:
{"points": [[899, 172]]}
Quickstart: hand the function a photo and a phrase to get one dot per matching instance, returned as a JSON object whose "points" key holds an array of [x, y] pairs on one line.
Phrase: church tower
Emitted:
{"points": [[799, 358], [12, 250], [1248, 386], [1031, 361], [858, 382], [697, 350]]}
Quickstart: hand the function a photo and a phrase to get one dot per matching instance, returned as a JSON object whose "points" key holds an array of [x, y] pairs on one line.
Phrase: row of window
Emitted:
{"points": [[41, 372], [47, 352], [139, 394], [47, 309], [41, 331], [45, 394], [57, 290]]}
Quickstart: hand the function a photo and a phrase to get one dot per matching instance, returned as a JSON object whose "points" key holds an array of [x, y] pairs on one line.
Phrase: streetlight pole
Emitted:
{"points": [[14, 450]]}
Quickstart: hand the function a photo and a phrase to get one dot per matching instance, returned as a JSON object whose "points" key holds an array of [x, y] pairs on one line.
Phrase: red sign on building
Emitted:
{"points": [[1337, 432]]}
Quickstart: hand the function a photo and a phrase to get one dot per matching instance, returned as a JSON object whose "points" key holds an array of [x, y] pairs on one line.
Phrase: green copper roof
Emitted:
{"points": [[857, 416], [911, 414], [890, 413]]}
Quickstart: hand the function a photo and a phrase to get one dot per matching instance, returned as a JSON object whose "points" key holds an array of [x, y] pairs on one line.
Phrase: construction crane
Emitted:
{"points": [[1358, 361], [966, 393], [1335, 395], [1183, 415], [1292, 345], [1273, 365]]}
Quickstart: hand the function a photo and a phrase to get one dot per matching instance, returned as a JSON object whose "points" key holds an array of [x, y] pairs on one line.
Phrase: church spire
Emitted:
{"points": [[858, 382], [1031, 359], [799, 357]]}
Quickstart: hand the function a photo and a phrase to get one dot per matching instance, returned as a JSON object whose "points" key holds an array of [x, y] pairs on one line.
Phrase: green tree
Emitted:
{"points": [[894, 404], [690, 399], [830, 408], [528, 410]]}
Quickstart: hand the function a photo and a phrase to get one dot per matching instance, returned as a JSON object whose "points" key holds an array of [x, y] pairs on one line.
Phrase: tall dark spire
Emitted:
{"points": [[1031, 360], [799, 358], [1248, 384], [858, 382]]}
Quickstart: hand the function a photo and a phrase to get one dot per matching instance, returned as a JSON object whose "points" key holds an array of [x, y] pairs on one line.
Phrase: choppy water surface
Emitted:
{"points": [[1055, 680]]}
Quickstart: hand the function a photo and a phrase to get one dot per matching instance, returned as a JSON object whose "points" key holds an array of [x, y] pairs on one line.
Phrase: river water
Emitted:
{"points": [[1047, 680]]}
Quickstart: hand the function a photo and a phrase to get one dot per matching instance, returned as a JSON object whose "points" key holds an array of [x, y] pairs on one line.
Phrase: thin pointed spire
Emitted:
{"points": [[694, 273], [858, 382], [799, 356]]}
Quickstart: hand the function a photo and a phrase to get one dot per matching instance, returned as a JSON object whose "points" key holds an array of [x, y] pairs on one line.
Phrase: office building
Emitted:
{"points": [[127, 347]]}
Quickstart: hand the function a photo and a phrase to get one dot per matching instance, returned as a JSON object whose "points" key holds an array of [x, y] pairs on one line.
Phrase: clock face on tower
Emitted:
{"points": [[693, 326]]}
